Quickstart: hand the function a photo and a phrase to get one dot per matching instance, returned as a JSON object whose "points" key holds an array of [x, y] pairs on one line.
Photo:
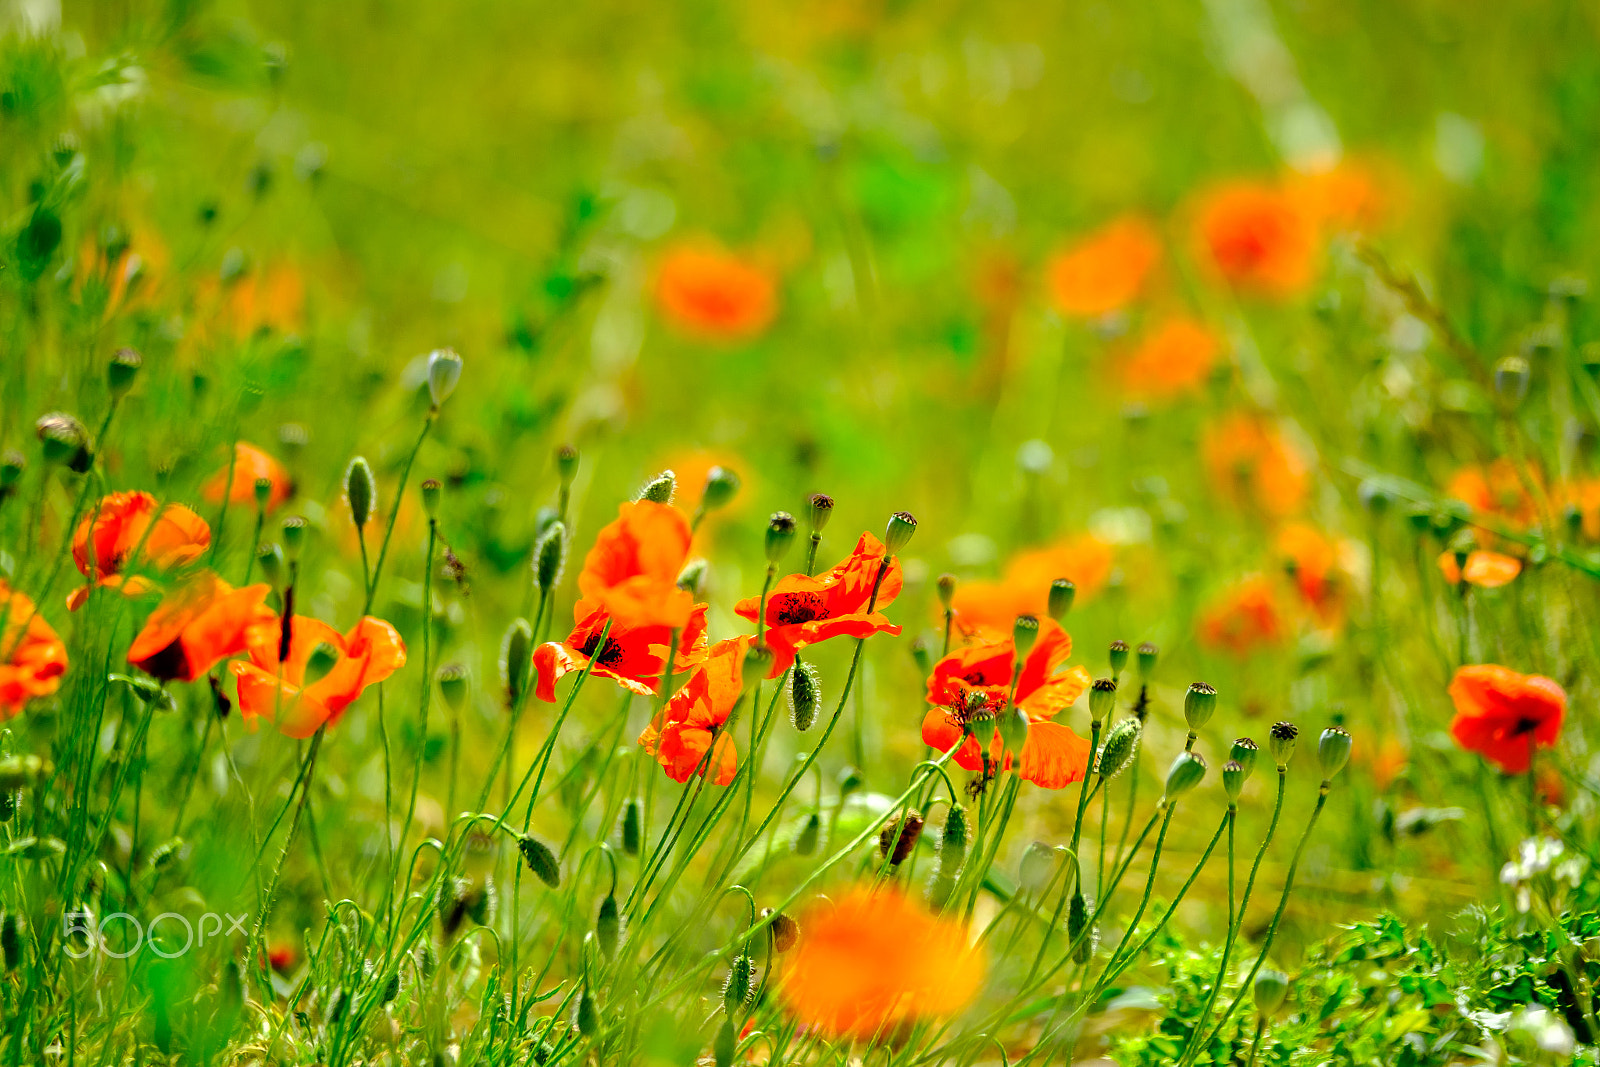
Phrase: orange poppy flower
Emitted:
{"points": [[123, 523], [972, 684], [1316, 563], [683, 730], [1346, 198], [1495, 490], [273, 299], [713, 293], [988, 609], [1259, 238], [250, 465], [1106, 270], [368, 654], [203, 621], [35, 657], [804, 611], [1243, 618], [1487, 570], [632, 571], [1174, 359], [1385, 760], [1252, 464], [876, 961], [633, 656], [1502, 715]]}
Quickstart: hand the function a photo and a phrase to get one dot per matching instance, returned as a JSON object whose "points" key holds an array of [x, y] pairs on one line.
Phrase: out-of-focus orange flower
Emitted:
{"points": [[988, 609], [1106, 270], [122, 523], [34, 656], [1495, 490], [272, 299], [1251, 463], [1487, 570], [876, 961], [1259, 238], [1386, 760], [1244, 618], [196, 625], [129, 276], [714, 293], [804, 611], [368, 654], [282, 955], [971, 685], [1317, 564], [1552, 787], [250, 465], [632, 656], [683, 730], [1502, 715], [1584, 494], [632, 571], [1347, 197], [1173, 359]]}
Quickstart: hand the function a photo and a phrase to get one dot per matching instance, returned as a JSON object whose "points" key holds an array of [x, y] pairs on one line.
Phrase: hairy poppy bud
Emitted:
{"points": [[262, 491], [1062, 593], [1198, 704], [122, 370], [1102, 699], [1078, 933], [1013, 728], [1037, 865], [1185, 774], [692, 579], [660, 489], [805, 694], [270, 557], [360, 489], [738, 987], [1333, 751], [721, 487], [819, 511], [608, 927], [1280, 740], [953, 838], [11, 940], [1233, 776], [1118, 657], [1122, 741], [899, 836], [757, 665], [566, 464], [850, 781], [540, 860], [780, 535], [64, 440], [586, 1014], [632, 828], [516, 658], [444, 371], [724, 1045], [807, 837], [947, 590], [549, 556], [1511, 377], [1147, 659], [1024, 633], [452, 679], [323, 659], [902, 524], [391, 989], [785, 931], [431, 489], [1271, 987]]}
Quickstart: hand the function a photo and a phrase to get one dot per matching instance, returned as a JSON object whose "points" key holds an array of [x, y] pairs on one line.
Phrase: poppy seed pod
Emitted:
{"points": [[1233, 776], [780, 535], [757, 665], [1062, 593], [632, 826], [294, 538], [550, 556], [122, 370], [1198, 704], [1148, 654], [63, 439], [1122, 741], [12, 464], [721, 487], [270, 557], [902, 524], [452, 679], [263, 492], [566, 464], [516, 658], [608, 927], [1511, 377], [821, 510], [323, 659], [807, 837], [1037, 865], [1244, 753], [947, 590], [660, 489], [785, 931], [1102, 699], [444, 371], [805, 695], [431, 490], [1024, 632], [1280, 741], [899, 836], [1118, 656], [1333, 751], [1014, 730], [360, 490], [1271, 987], [1186, 772], [540, 860]]}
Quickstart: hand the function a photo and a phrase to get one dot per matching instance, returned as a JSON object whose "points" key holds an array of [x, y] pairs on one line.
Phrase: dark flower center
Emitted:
{"points": [[608, 656], [801, 607]]}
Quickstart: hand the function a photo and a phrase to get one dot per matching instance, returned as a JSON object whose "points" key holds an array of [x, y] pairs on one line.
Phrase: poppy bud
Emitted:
{"points": [[1185, 774], [63, 438], [1037, 864], [1102, 699], [1122, 741], [953, 838], [1198, 704], [805, 694], [359, 489], [1078, 932], [516, 657], [323, 659], [1013, 728], [902, 524], [737, 989], [757, 665], [12, 464], [1373, 498], [540, 860], [1062, 593], [1333, 751], [724, 1045], [566, 464], [11, 940], [1511, 377], [785, 931], [1244, 753], [899, 836], [721, 486], [452, 679], [632, 830], [922, 655], [262, 490], [586, 1014], [1147, 659], [947, 590], [550, 556], [1118, 657], [1280, 740], [1024, 632], [1233, 776], [270, 557], [806, 838], [608, 927], [850, 781], [391, 989], [1271, 988], [692, 579], [780, 535], [122, 370], [294, 538], [819, 512], [444, 371], [1572, 518], [660, 489], [430, 498]]}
